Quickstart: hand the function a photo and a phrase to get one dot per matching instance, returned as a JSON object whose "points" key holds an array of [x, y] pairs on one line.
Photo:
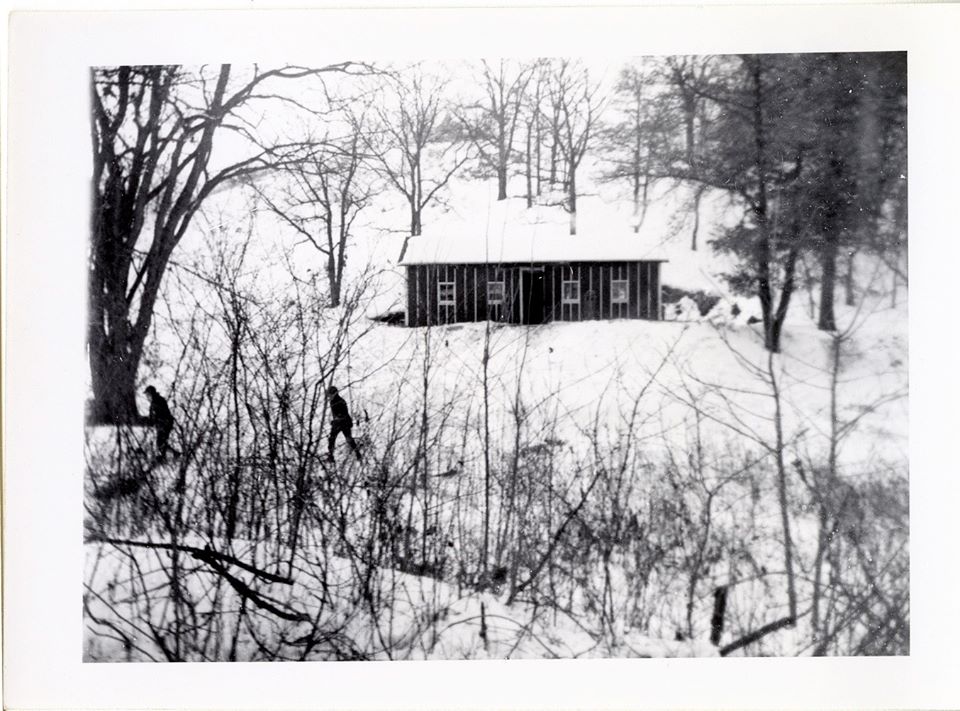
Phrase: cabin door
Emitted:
{"points": [[531, 296]]}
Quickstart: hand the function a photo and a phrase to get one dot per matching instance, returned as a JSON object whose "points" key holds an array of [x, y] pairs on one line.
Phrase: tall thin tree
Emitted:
{"points": [[577, 99], [491, 122], [416, 154]]}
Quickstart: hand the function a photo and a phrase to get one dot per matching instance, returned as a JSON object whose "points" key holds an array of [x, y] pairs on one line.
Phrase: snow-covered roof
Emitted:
{"points": [[509, 233]]}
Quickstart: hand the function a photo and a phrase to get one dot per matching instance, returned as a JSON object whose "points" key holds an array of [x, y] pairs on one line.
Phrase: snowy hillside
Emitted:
{"points": [[317, 480], [630, 412]]}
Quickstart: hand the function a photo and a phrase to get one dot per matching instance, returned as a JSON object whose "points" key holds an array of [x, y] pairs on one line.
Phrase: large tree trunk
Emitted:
{"points": [[333, 278], [572, 206], [150, 165], [501, 182], [828, 278], [415, 227], [415, 224], [771, 339], [115, 333], [840, 182], [114, 381], [112, 351], [848, 280], [121, 312], [764, 251], [689, 116], [789, 271], [834, 216]]}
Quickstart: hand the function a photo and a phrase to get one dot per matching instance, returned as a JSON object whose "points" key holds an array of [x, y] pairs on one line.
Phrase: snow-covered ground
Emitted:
{"points": [[603, 365], [427, 619], [577, 382], [573, 393]]}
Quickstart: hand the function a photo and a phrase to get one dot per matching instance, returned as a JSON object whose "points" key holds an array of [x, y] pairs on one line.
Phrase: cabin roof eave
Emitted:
{"points": [[520, 263]]}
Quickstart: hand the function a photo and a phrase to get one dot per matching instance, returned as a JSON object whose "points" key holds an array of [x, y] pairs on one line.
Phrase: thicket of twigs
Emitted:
{"points": [[251, 546]]}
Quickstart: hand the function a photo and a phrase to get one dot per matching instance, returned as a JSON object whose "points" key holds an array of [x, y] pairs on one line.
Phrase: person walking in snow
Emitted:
{"points": [[340, 421], [161, 418]]}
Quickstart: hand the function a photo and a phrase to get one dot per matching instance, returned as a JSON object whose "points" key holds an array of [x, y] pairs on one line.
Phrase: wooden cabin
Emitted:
{"points": [[531, 274]]}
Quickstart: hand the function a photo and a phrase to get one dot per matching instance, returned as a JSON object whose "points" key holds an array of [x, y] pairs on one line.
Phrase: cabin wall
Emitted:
{"points": [[465, 295], [643, 288], [512, 287], [411, 314], [548, 302], [589, 291], [485, 274], [657, 313], [471, 303], [420, 288]]}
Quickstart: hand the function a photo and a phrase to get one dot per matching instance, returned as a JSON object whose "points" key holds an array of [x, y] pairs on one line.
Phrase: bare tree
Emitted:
{"points": [[415, 142], [153, 131], [491, 123], [575, 98], [533, 119], [688, 78], [324, 194], [631, 143], [858, 575], [757, 155], [205, 558], [859, 114], [809, 145]]}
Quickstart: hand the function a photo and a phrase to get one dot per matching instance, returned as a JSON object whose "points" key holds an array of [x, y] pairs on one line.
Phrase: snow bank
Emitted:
{"points": [[428, 619]]}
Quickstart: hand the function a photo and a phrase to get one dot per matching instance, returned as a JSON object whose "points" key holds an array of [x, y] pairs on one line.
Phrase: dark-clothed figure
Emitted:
{"points": [[162, 419], [340, 421]]}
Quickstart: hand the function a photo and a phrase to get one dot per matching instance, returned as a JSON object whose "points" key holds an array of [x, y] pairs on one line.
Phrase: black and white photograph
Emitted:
{"points": [[468, 356], [498, 358]]}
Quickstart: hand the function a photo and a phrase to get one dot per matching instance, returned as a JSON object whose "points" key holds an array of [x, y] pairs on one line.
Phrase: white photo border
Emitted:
{"points": [[47, 213]]}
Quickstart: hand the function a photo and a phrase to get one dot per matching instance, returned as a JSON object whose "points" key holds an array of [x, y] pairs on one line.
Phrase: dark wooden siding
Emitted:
{"points": [[548, 302], [471, 280], [651, 295], [561, 272], [645, 292], [603, 272], [638, 289], [472, 296], [645, 271], [462, 293], [655, 285], [423, 312], [590, 298], [411, 315], [487, 274]]}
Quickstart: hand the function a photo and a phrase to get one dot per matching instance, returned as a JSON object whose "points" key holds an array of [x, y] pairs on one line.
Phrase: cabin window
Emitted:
{"points": [[446, 293], [495, 292], [619, 288], [571, 291]]}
